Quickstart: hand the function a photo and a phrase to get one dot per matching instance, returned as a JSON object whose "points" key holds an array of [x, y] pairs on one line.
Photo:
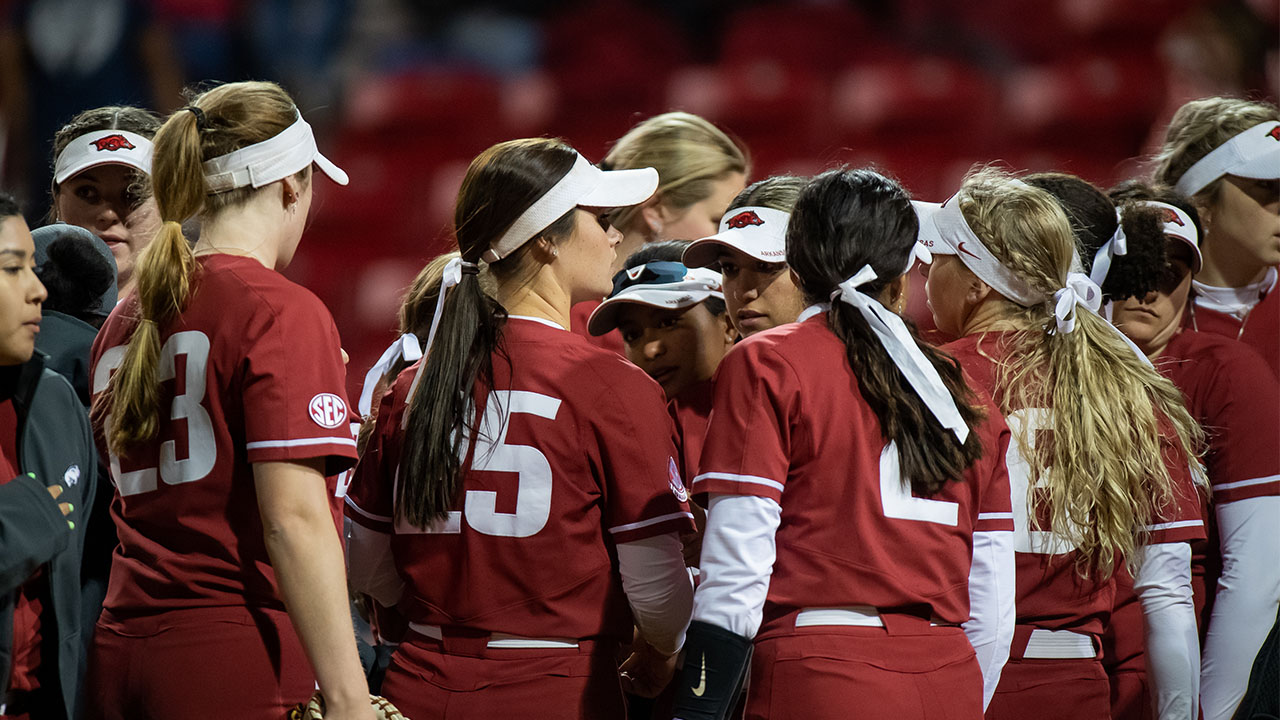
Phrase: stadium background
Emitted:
{"points": [[405, 92]]}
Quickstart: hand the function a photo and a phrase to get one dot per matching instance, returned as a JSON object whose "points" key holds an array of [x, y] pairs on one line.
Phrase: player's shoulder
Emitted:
{"points": [[791, 345], [1213, 355], [249, 287]]}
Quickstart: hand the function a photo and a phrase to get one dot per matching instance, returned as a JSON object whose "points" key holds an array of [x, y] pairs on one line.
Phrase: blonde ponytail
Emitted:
{"points": [[1105, 475]]}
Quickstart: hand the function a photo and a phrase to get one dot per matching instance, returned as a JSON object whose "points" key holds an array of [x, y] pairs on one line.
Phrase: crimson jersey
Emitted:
{"points": [[1235, 398], [1051, 594], [689, 410], [232, 392], [575, 454], [1260, 328], [789, 424], [580, 314]]}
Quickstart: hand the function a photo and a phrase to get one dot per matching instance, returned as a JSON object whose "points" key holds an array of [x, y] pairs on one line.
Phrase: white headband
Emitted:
{"points": [[275, 158], [406, 346], [584, 185], [1254, 153], [103, 147], [758, 232], [904, 351], [959, 239], [1117, 244]]}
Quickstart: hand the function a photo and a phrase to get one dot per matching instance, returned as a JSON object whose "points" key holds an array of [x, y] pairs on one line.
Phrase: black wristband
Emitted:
{"points": [[715, 664]]}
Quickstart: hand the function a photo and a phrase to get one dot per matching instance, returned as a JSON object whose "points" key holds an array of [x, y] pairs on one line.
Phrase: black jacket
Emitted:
{"points": [[54, 442]]}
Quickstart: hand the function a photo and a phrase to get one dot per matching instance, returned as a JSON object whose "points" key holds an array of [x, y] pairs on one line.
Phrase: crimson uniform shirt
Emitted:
{"points": [[251, 372], [1235, 398], [790, 425], [579, 457], [690, 410], [1051, 594], [1257, 324], [1262, 331]]}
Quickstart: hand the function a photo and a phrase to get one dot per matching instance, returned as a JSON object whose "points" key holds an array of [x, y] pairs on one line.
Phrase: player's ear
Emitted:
{"points": [[544, 250], [727, 331], [289, 192], [654, 214], [894, 296]]}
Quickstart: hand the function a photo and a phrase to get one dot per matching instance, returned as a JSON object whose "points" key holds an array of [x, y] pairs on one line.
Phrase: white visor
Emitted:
{"points": [[951, 235], [103, 147], [585, 185], [698, 285], [758, 232], [1179, 224], [1254, 153], [275, 158]]}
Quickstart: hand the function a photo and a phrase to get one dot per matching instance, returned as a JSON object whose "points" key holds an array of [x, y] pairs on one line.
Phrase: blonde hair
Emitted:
{"points": [[235, 115], [1105, 474], [688, 152], [1200, 126]]}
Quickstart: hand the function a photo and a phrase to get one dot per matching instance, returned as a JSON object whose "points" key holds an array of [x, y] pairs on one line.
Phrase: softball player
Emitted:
{"points": [[101, 181], [803, 559], [750, 253], [1084, 409], [1224, 154], [1230, 392], [520, 499], [229, 573]]}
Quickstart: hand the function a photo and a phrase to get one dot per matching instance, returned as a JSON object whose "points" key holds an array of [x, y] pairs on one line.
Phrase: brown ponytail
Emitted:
{"points": [[239, 114], [501, 183]]}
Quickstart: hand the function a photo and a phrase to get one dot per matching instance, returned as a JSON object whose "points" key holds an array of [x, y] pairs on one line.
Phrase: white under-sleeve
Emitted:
{"points": [[738, 550], [1163, 584], [992, 588], [1245, 604], [371, 568], [658, 588]]}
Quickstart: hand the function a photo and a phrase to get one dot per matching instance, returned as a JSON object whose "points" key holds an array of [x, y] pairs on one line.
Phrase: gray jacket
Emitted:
{"points": [[56, 443]]}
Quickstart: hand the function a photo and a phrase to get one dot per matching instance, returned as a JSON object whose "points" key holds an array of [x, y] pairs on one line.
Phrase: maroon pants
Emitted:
{"points": [[1051, 689], [214, 662], [815, 673], [428, 680]]}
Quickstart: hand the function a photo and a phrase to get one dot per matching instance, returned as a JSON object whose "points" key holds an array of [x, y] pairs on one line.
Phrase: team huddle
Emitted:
{"points": [[656, 442]]}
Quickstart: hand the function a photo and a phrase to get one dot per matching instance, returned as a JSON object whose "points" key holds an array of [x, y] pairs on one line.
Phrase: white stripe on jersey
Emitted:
{"points": [[302, 442], [1247, 483], [739, 478], [363, 513], [1174, 525], [650, 521], [996, 516]]}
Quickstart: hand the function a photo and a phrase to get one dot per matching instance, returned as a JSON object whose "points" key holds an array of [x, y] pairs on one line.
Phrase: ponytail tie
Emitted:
{"points": [[202, 121], [453, 272], [1080, 290], [904, 351], [406, 346]]}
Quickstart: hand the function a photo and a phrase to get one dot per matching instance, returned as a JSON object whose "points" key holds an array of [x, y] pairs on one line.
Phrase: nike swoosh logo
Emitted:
{"points": [[960, 247], [702, 678]]}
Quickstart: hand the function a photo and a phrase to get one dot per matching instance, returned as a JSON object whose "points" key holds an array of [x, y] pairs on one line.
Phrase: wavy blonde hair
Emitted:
{"points": [[1113, 414], [1200, 126], [688, 152]]}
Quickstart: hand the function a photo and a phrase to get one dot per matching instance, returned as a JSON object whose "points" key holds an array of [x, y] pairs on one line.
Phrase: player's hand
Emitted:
{"points": [[647, 672], [55, 491]]}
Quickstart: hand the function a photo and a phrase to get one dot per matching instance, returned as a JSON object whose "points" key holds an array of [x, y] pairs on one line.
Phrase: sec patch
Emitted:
{"points": [[673, 479], [327, 410]]}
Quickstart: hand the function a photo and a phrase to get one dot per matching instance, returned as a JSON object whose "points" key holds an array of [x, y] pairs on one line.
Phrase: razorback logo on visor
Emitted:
{"points": [[327, 410], [1275, 133], [1172, 217], [743, 219], [112, 143], [961, 248], [673, 479]]}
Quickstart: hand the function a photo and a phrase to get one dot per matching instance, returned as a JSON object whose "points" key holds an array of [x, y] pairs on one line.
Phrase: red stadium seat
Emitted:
{"points": [[816, 37]]}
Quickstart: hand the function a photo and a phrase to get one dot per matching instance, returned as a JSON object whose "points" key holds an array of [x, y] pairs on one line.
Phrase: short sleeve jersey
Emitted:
{"points": [[690, 410], [250, 372], [1051, 592], [575, 454], [790, 424]]}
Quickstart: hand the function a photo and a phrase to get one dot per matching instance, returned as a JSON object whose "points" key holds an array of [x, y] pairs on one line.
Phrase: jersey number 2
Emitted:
{"points": [[202, 450], [494, 454], [897, 500]]}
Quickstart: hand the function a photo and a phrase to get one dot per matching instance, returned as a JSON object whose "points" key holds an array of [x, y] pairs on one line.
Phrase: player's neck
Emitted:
{"points": [[990, 315], [1228, 272], [539, 297], [250, 230]]}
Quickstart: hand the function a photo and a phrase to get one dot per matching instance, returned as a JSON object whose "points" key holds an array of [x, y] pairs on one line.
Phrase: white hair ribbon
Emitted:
{"points": [[406, 346], [1117, 244], [449, 279], [1080, 290], [904, 351]]}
